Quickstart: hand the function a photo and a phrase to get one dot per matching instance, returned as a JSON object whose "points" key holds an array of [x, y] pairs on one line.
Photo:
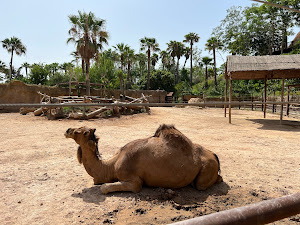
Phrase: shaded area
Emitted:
{"points": [[183, 196], [271, 124]]}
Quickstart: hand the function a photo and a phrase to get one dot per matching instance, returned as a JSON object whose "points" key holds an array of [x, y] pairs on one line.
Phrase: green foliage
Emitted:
{"points": [[38, 74], [162, 80]]}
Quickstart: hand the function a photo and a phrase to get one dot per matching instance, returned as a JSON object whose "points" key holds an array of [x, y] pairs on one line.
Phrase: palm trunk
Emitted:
{"points": [[177, 71], [129, 77], [206, 76], [10, 65], [88, 85], [215, 68], [191, 72], [82, 67], [148, 77]]}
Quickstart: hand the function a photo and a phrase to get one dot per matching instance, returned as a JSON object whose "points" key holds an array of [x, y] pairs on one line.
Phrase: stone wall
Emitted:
{"points": [[18, 92]]}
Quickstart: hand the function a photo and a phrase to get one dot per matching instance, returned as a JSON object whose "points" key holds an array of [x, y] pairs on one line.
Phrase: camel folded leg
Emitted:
{"points": [[134, 186]]}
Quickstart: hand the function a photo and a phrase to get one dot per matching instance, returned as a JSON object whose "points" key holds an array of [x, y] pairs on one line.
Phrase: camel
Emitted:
{"points": [[168, 159]]}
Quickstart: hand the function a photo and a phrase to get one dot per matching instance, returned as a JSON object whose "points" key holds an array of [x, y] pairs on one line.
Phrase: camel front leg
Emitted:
{"points": [[134, 186]]}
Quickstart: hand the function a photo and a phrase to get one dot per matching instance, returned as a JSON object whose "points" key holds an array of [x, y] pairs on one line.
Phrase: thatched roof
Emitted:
{"points": [[259, 67]]}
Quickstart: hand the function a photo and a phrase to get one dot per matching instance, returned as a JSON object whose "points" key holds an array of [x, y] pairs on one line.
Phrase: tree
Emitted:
{"points": [[4, 70], [206, 61], [165, 59], [187, 52], [154, 59], [130, 58], [214, 44], [191, 38], [121, 51], [176, 48], [38, 74], [26, 66], [12, 45], [88, 35], [149, 44]]}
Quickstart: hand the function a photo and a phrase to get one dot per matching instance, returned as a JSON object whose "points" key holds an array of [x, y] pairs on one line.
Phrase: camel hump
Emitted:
{"points": [[170, 133]]}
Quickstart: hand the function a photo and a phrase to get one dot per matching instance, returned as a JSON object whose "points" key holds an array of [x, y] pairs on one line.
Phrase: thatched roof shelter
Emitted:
{"points": [[261, 68]]}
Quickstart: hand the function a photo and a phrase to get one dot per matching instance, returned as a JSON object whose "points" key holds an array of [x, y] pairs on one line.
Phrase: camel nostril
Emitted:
{"points": [[68, 130]]}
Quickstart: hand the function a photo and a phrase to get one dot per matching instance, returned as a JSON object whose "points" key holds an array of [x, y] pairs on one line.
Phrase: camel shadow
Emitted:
{"points": [[270, 124], [186, 196]]}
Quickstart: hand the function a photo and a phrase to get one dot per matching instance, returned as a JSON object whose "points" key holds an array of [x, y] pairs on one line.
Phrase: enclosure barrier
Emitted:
{"points": [[53, 105], [259, 213]]}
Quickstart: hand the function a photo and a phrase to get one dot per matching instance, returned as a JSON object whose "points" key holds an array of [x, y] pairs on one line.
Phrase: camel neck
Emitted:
{"points": [[101, 170]]}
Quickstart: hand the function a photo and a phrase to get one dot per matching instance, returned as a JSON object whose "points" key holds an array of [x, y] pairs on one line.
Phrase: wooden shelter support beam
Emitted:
{"points": [[230, 100], [265, 98], [282, 100], [288, 105], [226, 87]]}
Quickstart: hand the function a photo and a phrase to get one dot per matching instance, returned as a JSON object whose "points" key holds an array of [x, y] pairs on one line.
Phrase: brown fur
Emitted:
{"points": [[168, 159]]}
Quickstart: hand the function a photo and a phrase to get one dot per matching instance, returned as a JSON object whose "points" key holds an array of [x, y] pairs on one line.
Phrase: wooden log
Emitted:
{"points": [[76, 116], [25, 110], [56, 113], [40, 111], [96, 112]]}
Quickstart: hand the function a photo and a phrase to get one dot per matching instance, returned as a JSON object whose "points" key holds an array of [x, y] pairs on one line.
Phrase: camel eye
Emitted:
{"points": [[86, 133]]}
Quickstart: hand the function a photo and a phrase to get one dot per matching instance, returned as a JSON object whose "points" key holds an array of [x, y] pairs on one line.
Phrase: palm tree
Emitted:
{"points": [[191, 38], [176, 48], [121, 51], [187, 52], [3, 69], [149, 44], [206, 61], [88, 35], [26, 66], [130, 58], [141, 59], [165, 59], [154, 59], [12, 45], [214, 44]]}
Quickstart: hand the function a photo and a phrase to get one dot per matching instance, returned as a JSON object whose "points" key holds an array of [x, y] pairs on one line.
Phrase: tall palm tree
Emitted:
{"points": [[191, 38], [141, 59], [26, 66], [12, 45], [165, 59], [214, 44], [3, 69], [149, 44], [121, 51], [154, 59], [206, 61], [88, 35], [130, 58], [176, 49], [187, 52]]}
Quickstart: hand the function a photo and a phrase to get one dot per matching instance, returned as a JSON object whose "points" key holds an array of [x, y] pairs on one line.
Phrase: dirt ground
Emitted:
{"points": [[41, 181]]}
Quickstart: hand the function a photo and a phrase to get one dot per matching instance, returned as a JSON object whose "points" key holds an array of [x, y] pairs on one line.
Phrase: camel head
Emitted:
{"points": [[85, 137], [81, 135]]}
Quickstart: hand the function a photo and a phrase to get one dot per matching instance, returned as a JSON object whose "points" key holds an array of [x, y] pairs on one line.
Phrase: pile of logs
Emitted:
{"points": [[84, 113]]}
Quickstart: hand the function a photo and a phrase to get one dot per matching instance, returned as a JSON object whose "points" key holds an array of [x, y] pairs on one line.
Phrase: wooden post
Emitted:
{"points": [[230, 100], [265, 99], [288, 105], [226, 85], [282, 100]]}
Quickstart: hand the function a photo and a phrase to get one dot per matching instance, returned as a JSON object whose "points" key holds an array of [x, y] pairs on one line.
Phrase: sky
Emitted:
{"points": [[43, 26]]}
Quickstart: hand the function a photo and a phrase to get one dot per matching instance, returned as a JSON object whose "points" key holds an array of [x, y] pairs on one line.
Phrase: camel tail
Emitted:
{"points": [[218, 163]]}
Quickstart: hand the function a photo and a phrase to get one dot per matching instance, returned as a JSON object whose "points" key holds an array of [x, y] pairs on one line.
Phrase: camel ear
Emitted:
{"points": [[93, 130]]}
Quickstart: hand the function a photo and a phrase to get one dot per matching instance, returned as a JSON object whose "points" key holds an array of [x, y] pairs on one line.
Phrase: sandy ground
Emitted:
{"points": [[41, 181]]}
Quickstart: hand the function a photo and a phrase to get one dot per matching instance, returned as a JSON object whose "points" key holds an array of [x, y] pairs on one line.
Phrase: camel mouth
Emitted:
{"points": [[69, 133]]}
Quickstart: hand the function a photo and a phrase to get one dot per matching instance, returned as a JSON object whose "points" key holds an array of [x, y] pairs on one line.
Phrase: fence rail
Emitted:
{"points": [[235, 103]]}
